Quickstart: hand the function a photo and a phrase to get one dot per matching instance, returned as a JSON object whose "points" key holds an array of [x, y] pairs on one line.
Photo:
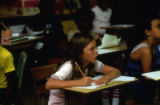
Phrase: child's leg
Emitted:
{"points": [[115, 98], [105, 97]]}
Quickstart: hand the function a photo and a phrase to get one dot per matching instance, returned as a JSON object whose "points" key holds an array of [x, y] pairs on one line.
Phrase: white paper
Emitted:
{"points": [[120, 78], [124, 78], [104, 51], [155, 75], [91, 86], [109, 40]]}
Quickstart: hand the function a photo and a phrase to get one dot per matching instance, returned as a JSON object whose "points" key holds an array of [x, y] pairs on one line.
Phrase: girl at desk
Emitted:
{"points": [[78, 68], [140, 59]]}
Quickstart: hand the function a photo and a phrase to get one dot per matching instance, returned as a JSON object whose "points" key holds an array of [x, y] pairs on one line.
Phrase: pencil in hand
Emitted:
{"points": [[80, 70]]}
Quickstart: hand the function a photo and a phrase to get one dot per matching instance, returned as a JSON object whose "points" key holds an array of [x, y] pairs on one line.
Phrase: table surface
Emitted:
{"points": [[111, 84], [22, 43], [118, 27], [28, 39], [119, 48]]}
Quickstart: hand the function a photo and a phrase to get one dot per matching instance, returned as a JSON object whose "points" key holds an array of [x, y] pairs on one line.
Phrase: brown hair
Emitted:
{"points": [[76, 46]]}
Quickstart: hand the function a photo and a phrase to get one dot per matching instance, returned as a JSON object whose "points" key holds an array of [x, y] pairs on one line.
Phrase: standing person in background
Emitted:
{"points": [[7, 69], [84, 24], [140, 60], [83, 18], [82, 53], [102, 18]]}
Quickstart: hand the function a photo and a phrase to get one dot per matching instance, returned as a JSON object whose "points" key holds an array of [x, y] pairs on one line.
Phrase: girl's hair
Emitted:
{"points": [[77, 44], [75, 49]]}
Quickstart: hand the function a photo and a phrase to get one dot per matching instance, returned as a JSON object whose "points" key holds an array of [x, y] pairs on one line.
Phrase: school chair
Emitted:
{"points": [[40, 75], [11, 93], [20, 68]]}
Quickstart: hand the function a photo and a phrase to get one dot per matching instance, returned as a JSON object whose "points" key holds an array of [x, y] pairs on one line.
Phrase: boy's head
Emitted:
{"points": [[152, 26], [103, 4], [148, 27], [84, 19]]}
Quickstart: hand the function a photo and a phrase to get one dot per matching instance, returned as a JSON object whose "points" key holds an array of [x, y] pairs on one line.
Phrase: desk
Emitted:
{"points": [[22, 43], [121, 30], [113, 56], [118, 27], [120, 48], [111, 84], [86, 94]]}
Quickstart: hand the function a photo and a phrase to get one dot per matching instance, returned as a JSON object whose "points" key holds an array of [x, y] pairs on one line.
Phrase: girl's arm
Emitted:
{"points": [[146, 59], [53, 83], [109, 74]]}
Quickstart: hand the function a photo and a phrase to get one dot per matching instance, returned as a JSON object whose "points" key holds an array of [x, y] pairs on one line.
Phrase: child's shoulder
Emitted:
{"points": [[140, 47], [4, 52], [67, 63], [145, 50]]}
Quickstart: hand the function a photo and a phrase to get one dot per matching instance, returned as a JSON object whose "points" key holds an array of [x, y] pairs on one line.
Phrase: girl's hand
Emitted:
{"points": [[85, 81], [101, 81]]}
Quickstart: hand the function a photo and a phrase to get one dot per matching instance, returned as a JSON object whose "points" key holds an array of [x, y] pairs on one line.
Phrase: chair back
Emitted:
{"points": [[20, 68], [40, 75]]}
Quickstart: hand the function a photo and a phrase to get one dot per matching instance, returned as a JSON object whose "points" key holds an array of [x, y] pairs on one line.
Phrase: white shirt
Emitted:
{"points": [[102, 18], [65, 73]]}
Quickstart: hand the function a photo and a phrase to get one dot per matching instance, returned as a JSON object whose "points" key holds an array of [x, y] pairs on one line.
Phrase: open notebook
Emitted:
{"points": [[155, 75], [120, 78]]}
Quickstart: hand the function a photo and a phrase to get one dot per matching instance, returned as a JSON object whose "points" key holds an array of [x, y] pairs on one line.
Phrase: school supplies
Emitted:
{"points": [[5, 39], [80, 70], [4, 25], [155, 75]]}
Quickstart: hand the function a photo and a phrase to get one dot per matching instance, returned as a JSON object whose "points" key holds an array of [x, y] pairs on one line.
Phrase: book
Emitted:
{"points": [[155, 75]]}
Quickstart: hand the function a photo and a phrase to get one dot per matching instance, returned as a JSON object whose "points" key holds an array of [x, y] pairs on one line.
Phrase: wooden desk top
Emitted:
{"points": [[110, 85], [115, 49], [22, 43], [25, 41], [118, 27]]}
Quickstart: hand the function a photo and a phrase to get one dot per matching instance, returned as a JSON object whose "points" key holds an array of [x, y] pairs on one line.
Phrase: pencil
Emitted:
{"points": [[4, 25], [79, 69]]}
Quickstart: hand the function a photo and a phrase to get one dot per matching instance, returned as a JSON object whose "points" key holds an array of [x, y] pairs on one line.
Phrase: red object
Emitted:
{"points": [[54, 60]]}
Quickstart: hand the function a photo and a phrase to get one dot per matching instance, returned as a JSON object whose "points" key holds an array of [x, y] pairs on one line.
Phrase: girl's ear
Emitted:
{"points": [[147, 32]]}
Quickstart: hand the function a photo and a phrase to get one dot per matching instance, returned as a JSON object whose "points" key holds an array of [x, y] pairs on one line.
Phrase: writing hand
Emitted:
{"points": [[85, 81], [101, 81]]}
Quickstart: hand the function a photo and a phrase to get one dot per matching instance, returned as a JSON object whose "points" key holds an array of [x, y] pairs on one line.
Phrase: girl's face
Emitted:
{"points": [[155, 29], [89, 54]]}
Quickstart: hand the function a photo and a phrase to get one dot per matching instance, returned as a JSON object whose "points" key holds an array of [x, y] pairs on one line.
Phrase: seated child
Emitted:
{"points": [[83, 53]]}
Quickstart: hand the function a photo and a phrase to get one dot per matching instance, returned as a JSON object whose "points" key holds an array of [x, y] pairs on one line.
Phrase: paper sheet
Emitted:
{"points": [[124, 78], [120, 78], [155, 75], [104, 51]]}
